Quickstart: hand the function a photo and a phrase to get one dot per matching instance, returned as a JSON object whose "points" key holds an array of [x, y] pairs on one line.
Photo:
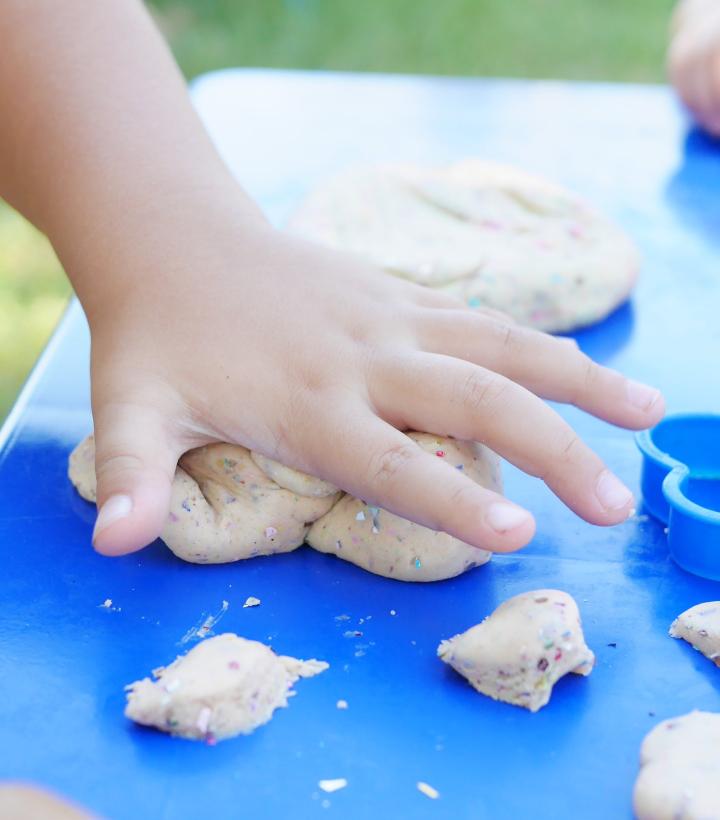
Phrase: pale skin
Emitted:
{"points": [[694, 60], [210, 325]]}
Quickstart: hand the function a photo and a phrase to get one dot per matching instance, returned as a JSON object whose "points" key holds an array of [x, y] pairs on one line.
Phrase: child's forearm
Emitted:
{"points": [[98, 134]]}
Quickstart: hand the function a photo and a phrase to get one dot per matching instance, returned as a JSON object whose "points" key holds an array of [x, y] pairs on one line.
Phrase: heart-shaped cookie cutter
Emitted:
{"points": [[681, 487]]}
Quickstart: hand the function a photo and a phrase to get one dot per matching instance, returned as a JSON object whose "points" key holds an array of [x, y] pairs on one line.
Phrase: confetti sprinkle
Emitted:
{"points": [[203, 720], [251, 601], [270, 532], [427, 790], [440, 453], [360, 516], [332, 785], [342, 704], [418, 563], [473, 302]]}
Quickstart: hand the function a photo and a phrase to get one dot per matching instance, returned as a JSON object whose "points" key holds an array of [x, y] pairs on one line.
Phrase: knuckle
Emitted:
{"points": [[116, 463], [568, 446], [389, 463], [482, 394], [589, 376]]}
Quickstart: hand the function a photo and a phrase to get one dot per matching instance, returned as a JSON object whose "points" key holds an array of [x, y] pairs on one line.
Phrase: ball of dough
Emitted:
{"points": [[228, 503], [223, 506], [490, 234], [700, 627], [519, 652], [224, 686], [388, 545], [680, 770]]}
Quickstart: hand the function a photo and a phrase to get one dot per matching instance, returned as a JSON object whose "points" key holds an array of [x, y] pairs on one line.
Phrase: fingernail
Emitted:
{"points": [[115, 508], [611, 492], [641, 395], [503, 517]]}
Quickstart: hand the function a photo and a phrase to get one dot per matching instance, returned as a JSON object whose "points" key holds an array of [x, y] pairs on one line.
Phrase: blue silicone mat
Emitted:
{"points": [[64, 658]]}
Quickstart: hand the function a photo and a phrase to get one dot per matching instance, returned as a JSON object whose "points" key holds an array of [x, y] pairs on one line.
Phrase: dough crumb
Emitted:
{"points": [[251, 601], [342, 704], [223, 687], [107, 603], [700, 627], [332, 785], [519, 652], [680, 770], [428, 790]]}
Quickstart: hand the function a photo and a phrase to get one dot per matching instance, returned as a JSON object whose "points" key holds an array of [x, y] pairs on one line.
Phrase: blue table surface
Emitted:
{"points": [[64, 658]]}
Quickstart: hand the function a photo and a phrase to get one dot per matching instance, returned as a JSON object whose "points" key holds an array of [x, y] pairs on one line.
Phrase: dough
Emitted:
{"points": [[520, 651], [228, 504], [700, 627], [224, 686], [680, 770], [386, 544], [22, 802], [490, 234]]}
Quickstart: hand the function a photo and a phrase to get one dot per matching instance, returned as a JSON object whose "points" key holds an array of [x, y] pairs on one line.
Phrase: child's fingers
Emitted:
{"points": [[135, 462], [552, 367], [444, 395], [375, 462]]}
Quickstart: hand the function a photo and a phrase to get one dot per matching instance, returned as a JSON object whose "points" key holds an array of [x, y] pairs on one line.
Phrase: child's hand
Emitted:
{"points": [[316, 359], [694, 60], [209, 325]]}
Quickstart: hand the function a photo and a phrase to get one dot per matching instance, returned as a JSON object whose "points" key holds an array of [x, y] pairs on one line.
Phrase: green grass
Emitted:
{"points": [[568, 39]]}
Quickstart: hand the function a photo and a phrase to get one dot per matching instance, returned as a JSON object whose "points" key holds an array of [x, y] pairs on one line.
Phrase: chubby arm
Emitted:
{"points": [[209, 325]]}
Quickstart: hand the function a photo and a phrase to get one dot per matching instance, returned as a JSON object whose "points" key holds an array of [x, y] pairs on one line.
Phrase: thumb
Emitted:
{"points": [[135, 460]]}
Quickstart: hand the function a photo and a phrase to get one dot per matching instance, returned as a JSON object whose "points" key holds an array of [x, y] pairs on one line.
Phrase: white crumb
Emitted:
{"points": [[251, 601], [342, 704], [332, 785], [428, 790]]}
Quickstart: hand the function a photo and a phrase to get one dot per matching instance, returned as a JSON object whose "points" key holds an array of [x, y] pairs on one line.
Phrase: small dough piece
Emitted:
{"points": [[700, 627], [228, 504], [388, 545], [19, 801], [679, 775], [519, 652], [491, 234], [224, 686]]}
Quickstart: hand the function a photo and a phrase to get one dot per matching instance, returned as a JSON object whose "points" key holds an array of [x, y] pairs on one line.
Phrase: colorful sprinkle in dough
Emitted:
{"points": [[241, 505], [519, 652], [224, 686], [491, 234], [700, 627], [680, 770]]}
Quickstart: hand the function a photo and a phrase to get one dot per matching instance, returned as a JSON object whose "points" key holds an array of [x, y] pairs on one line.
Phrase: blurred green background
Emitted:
{"points": [[567, 39]]}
